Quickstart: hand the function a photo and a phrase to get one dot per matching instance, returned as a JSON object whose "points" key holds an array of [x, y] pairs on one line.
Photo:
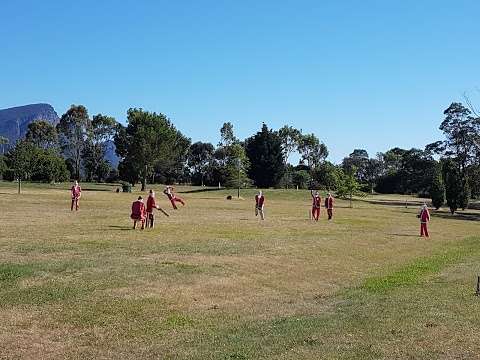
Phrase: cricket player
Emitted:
{"points": [[329, 200], [424, 219], [76, 192], [316, 201], [172, 197], [259, 205], [138, 212], [151, 204]]}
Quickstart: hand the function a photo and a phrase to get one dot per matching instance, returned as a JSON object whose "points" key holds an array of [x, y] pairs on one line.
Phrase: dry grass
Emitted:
{"points": [[214, 282]]}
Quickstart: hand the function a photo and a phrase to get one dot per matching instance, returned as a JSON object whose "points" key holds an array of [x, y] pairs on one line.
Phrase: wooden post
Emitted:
{"points": [[478, 286], [19, 185]]}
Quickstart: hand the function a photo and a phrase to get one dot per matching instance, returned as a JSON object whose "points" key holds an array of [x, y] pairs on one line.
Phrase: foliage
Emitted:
{"points": [[437, 190], [227, 137], [326, 176], [49, 167], [348, 185], [4, 141], [72, 130], [313, 152], [290, 138], [264, 151], [461, 144], [200, 156], [301, 178], [100, 132], [236, 168], [42, 134], [28, 162], [3, 166], [149, 143], [407, 172], [453, 186]]}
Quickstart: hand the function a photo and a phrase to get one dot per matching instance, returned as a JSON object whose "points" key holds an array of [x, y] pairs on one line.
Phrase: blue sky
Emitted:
{"points": [[359, 74]]}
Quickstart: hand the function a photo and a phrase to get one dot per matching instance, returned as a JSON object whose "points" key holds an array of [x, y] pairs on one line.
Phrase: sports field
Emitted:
{"points": [[214, 282]]}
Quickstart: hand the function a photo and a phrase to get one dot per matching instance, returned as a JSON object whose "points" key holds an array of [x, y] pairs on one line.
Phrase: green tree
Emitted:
{"points": [[326, 176], [200, 155], [359, 159], [72, 130], [290, 138], [49, 166], [100, 133], [437, 190], [236, 168], [227, 136], [4, 141], [301, 178], [348, 186], [313, 152], [148, 139], [462, 143], [21, 161], [264, 151], [3, 166], [42, 134], [453, 185]]}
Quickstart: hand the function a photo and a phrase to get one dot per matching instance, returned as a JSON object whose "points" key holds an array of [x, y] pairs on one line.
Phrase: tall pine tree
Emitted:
{"points": [[265, 153]]}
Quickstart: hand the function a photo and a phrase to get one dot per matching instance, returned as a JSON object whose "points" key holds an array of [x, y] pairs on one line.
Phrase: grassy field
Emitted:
{"points": [[214, 282]]}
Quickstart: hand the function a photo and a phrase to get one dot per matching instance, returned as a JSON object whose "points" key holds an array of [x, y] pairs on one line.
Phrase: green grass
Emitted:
{"points": [[214, 282]]}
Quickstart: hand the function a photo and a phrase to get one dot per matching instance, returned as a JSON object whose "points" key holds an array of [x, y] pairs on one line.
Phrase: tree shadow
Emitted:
{"points": [[416, 203], [403, 235], [468, 216], [199, 190]]}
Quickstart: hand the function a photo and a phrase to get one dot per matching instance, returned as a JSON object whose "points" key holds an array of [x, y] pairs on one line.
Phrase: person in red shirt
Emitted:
{"points": [[151, 204], [316, 201], [329, 206], [259, 205], [172, 197], [424, 219], [138, 213], [76, 192]]}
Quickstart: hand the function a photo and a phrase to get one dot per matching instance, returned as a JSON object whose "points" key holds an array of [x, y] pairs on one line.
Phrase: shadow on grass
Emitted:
{"points": [[200, 190], [469, 216], [120, 227], [404, 235], [394, 203]]}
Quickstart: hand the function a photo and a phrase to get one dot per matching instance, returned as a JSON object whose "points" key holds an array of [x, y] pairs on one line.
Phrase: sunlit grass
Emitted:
{"points": [[212, 281]]}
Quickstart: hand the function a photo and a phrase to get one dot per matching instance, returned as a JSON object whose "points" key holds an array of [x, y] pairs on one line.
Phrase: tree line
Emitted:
{"points": [[152, 150]]}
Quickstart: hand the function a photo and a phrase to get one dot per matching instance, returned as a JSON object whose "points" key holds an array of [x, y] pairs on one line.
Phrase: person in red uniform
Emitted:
{"points": [[329, 206], [76, 193], [151, 204], [316, 201], [172, 197], [138, 212], [424, 219], [259, 205]]}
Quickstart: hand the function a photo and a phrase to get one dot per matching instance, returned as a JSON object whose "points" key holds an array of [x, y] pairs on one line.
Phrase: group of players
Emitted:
{"points": [[144, 214]]}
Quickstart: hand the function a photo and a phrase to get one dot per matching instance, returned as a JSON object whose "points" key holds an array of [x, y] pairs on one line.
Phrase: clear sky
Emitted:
{"points": [[359, 73]]}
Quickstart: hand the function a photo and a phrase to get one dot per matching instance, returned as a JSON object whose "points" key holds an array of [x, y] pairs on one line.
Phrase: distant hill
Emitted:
{"points": [[14, 121], [14, 124], [110, 154]]}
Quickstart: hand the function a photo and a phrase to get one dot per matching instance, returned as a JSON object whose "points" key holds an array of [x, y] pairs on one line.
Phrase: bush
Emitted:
{"points": [[301, 179]]}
